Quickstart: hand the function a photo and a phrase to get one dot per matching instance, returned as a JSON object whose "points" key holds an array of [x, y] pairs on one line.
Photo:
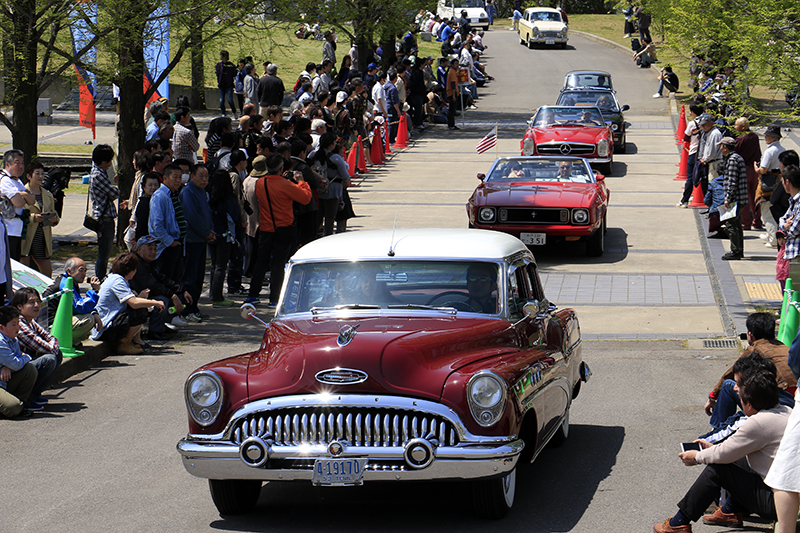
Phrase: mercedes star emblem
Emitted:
{"points": [[565, 149]]}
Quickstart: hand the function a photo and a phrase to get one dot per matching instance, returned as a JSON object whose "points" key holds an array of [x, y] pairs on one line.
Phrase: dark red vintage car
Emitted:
{"points": [[571, 131], [424, 354], [541, 200]]}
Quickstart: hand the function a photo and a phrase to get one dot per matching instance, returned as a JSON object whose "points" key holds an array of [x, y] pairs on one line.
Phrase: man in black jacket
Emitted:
{"points": [[270, 89], [159, 288]]}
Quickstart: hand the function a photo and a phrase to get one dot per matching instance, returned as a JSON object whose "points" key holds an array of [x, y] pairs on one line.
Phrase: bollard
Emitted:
{"points": [[787, 296], [698, 198], [376, 152], [402, 133], [386, 143], [62, 323], [682, 165], [681, 126], [351, 161]]}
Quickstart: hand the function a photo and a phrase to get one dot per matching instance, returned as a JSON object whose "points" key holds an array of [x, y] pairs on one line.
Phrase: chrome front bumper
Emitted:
{"points": [[543, 40], [278, 439]]}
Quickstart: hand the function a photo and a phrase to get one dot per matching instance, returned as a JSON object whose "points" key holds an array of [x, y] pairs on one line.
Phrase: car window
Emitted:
{"points": [[568, 116], [465, 286], [546, 16], [469, 3], [589, 80], [535, 285], [601, 99], [516, 292], [572, 170]]}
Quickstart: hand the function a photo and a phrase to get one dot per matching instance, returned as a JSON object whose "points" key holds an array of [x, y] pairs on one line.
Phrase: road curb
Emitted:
{"points": [[606, 42], [93, 353]]}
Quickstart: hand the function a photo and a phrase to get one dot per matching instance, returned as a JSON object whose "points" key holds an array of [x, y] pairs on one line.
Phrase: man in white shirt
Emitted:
{"points": [[12, 189], [379, 95], [768, 171]]}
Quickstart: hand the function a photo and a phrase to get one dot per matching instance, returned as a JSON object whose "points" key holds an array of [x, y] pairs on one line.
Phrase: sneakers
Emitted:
{"points": [[718, 518], [666, 528], [272, 305], [127, 347], [252, 300], [771, 244], [453, 128], [203, 316], [730, 256], [193, 318], [473, 106], [222, 303], [764, 236], [683, 205], [657, 95], [178, 321], [33, 406], [626, 36]]}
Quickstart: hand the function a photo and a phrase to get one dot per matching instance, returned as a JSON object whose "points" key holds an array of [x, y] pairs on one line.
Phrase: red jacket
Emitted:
{"points": [[282, 193]]}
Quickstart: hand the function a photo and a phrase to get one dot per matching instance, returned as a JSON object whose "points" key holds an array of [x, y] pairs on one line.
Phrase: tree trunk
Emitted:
{"points": [[198, 91], [23, 92], [131, 115]]}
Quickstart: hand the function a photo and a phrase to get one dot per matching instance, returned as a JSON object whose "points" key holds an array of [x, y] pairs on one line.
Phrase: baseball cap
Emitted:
{"points": [[147, 239], [705, 117], [372, 66]]}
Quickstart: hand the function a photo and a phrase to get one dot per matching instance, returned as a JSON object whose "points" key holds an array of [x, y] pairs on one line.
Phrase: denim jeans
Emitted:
{"points": [[104, 241], [45, 365], [688, 187], [195, 273], [158, 319], [663, 83], [220, 254], [727, 404], [223, 95]]}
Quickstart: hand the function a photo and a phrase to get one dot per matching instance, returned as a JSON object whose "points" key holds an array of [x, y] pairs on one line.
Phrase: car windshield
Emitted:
{"points": [[546, 15], [589, 80], [568, 116], [601, 99], [453, 285], [468, 3], [568, 170]]}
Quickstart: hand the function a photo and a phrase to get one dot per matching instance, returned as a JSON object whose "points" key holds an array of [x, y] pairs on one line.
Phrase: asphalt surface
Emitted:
{"points": [[102, 456]]}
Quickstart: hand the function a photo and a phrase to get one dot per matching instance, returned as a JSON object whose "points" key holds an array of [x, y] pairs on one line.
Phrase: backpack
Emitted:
{"points": [[635, 45], [212, 164]]}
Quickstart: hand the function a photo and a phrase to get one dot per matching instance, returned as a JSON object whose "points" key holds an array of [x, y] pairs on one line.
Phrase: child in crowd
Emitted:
{"points": [[150, 183], [36, 341], [17, 373], [781, 264]]}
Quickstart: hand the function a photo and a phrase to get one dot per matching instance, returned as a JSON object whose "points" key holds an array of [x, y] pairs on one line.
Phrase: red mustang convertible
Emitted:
{"points": [[394, 356], [541, 200], [571, 130]]}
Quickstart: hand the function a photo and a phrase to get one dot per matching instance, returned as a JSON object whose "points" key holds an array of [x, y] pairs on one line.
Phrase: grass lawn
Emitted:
{"points": [[45, 148], [87, 253]]}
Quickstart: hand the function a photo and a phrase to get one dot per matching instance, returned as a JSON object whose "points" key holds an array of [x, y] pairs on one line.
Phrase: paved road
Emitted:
{"points": [[102, 457]]}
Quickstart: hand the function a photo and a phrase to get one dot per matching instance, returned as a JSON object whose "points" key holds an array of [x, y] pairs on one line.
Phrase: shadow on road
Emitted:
{"points": [[551, 495]]}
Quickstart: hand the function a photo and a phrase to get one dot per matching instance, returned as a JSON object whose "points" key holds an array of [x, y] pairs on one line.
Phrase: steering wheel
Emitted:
{"points": [[462, 304]]}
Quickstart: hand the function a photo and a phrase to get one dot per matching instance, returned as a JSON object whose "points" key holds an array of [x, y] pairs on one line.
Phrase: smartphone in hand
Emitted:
{"points": [[686, 446]]}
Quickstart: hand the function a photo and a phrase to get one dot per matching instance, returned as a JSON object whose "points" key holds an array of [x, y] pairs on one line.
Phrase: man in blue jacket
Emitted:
{"points": [[194, 200], [84, 319], [168, 225]]}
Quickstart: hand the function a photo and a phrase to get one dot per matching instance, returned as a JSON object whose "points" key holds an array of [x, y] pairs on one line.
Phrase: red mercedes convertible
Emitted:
{"points": [[571, 131], [541, 200]]}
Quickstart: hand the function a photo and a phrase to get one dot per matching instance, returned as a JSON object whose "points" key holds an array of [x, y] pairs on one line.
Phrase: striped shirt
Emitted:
{"points": [[176, 204], [735, 182], [793, 231], [102, 193], [184, 143]]}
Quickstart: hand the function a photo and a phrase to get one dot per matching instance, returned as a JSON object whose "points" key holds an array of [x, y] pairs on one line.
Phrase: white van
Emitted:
{"points": [[476, 11]]}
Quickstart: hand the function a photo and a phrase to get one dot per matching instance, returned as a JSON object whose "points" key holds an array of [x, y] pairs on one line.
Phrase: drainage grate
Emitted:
{"points": [[721, 343]]}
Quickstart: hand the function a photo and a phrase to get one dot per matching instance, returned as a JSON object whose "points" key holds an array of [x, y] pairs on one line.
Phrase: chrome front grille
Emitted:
{"points": [[358, 426], [565, 149], [548, 34]]}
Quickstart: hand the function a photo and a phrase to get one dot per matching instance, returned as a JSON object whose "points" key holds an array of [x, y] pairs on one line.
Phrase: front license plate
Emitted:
{"points": [[533, 239], [338, 471], [474, 21], [549, 41]]}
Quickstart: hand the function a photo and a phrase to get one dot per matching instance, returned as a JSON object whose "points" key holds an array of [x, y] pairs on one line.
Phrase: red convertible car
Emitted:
{"points": [[542, 199], [394, 356], [571, 130]]}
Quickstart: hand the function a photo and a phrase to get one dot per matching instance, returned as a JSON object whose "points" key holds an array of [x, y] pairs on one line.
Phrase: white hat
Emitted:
{"points": [[341, 96]]}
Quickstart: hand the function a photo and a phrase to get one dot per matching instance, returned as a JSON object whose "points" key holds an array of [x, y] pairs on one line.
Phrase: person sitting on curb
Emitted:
{"points": [[163, 289], [84, 318], [17, 373], [37, 342], [121, 311], [667, 80], [723, 401], [738, 464]]}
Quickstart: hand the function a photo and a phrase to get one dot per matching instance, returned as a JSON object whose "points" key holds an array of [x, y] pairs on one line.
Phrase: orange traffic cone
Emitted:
{"points": [[402, 134], [698, 198], [681, 126], [682, 165], [351, 161], [361, 161], [376, 152], [388, 149]]}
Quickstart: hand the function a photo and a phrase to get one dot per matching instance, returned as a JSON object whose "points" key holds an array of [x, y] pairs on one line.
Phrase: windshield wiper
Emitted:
{"points": [[451, 310], [315, 310]]}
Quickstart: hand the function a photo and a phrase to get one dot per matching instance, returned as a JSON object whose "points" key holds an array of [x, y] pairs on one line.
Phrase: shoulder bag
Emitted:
{"points": [[89, 222]]}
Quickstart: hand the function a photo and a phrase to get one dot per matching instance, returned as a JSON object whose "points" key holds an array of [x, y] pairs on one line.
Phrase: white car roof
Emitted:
{"points": [[538, 9], [414, 243]]}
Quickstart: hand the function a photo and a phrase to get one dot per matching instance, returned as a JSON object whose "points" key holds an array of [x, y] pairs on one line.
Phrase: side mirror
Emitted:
{"points": [[248, 311], [626, 107], [481, 176], [531, 307], [599, 177]]}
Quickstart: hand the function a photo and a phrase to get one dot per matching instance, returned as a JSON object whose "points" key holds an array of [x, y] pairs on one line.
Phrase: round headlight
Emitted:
{"points": [[535, 30], [486, 396], [486, 392], [614, 126], [204, 394], [602, 147], [580, 216], [204, 391], [486, 214], [527, 146]]}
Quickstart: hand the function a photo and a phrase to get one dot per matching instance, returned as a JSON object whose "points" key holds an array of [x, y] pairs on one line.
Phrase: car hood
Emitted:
{"points": [[400, 355], [549, 25], [522, 194], [586, 134]]}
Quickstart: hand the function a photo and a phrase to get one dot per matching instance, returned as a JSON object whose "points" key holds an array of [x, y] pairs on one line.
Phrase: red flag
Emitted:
{"points": [[86, 106]]}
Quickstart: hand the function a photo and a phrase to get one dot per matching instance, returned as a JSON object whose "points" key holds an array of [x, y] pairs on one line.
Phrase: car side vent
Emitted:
{"points": [[720, 343]]}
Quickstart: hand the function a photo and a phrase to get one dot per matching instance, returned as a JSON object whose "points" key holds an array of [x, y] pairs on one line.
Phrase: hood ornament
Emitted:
{"points": [[346, 334], [565, 149], [341, 376]]}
